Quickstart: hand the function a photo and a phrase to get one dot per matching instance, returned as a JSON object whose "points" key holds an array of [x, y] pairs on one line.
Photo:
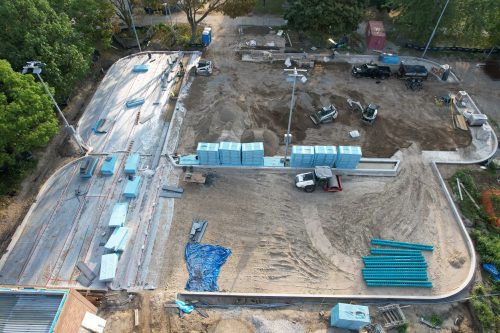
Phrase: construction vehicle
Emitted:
{"points": [[326, 114], [204, 67], [371, 70], [368, 114], [321, 176]]}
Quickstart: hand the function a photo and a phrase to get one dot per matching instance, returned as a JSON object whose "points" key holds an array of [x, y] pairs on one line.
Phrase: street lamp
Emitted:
{"points": [[167, 11], [35, 67], [293, 75], [435, 28], [133, 25]]}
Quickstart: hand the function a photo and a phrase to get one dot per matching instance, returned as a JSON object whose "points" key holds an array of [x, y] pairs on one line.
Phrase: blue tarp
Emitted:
{"points": [[203, 264]]}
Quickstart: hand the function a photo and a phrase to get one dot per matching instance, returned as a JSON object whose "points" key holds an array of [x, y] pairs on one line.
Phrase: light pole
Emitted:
{"points": [[435, 28], [294, 74], [35, 67], [133, 25], [167, 11]]}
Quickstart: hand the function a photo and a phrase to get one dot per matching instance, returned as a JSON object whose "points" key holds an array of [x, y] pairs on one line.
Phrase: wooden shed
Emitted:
{"points": [[375, 35]]}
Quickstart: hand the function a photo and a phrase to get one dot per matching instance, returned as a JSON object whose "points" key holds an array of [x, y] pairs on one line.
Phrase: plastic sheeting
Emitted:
{"points": [[204, 262]]}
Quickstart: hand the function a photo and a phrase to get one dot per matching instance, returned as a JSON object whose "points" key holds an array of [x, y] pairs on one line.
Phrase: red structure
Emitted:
{"points": [[375, 35]]}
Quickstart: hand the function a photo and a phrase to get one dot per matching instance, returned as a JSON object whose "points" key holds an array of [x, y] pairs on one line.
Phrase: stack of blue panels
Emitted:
{"points": [[252, 153], [325, 155], [302, 157], [348, 157], [132, 164], [108, 166], [140, 68], [208, 153], [230, 153]]}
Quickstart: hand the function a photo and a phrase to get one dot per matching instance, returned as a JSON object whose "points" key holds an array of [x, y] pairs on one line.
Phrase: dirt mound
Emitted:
{"points": [[270, 139]]}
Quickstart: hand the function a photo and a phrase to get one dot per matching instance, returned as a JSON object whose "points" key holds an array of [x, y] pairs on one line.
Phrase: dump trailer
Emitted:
{"points": [[414, 75]]}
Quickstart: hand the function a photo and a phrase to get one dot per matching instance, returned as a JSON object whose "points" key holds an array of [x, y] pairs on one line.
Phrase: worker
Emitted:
{"points": [[149, 55]]}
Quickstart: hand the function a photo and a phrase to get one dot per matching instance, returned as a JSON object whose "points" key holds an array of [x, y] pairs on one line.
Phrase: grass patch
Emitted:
{"points": [[467, 206], [486, 239], [274, 7]]}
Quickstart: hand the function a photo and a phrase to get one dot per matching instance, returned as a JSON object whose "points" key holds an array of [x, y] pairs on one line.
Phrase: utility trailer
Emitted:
{"points": [[414, 75]]}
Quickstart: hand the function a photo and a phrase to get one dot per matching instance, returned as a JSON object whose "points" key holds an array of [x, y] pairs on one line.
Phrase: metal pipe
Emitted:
{"points": [[435, 28], [287, 139]]}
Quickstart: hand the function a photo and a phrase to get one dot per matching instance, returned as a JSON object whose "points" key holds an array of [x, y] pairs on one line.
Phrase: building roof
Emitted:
{"points": [[30, 310]]}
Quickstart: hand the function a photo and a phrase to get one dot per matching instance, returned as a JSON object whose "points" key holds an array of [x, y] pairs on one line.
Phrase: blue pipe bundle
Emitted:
{"points": [[386, 258], [395, 252], [396, 264], [391, 243], [402, 266], [396, 277], [394, 269], [399, 283]]}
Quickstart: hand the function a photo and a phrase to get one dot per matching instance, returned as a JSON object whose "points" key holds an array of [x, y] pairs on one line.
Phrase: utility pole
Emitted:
{"points": [[294, 74], [133, 25], [435, 28], [36, 68]]}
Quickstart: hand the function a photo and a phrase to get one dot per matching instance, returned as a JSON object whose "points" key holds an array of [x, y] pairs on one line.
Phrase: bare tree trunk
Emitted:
{"points": [[194, 29]]}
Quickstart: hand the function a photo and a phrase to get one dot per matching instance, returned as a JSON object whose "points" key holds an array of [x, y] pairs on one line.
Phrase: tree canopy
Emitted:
{"points": [[473, 23], [332, 18], [49, 34], [27, 120], [232, 8]]}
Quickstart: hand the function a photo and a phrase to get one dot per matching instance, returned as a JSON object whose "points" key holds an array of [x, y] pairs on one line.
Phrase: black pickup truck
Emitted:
{"points": [[371, 70]]}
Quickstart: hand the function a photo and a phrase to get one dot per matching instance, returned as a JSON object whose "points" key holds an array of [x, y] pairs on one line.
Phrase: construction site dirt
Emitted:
{"points": [[287, 241], [250, 102]]}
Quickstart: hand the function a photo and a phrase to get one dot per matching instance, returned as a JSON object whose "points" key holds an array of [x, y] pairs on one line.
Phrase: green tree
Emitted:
{"points": [[90, 18], [465, 22], [326, 18], [39, 33], [232, 8], [27, 121], [123, 9]]}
